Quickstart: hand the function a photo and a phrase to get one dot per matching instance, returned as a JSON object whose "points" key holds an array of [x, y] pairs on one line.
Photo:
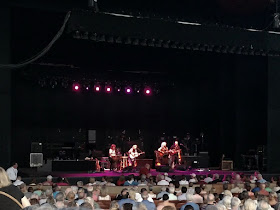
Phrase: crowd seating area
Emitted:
{"points": [[161, 192]]}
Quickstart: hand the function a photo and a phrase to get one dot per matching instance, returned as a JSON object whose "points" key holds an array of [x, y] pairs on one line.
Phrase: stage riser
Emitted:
{"points": [[69, 165]]}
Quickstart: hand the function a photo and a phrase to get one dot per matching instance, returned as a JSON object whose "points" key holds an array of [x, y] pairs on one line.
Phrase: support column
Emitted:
{"points": [[5, 89], [273, 111]]}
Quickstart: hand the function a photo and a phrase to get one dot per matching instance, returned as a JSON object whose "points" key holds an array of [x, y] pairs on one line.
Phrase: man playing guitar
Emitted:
{"points": [[175, 153], [162, 154], [133, 154]]}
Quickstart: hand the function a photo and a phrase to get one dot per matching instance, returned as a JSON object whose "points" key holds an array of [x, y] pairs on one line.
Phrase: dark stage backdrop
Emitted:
{"points": [[223, 96]]}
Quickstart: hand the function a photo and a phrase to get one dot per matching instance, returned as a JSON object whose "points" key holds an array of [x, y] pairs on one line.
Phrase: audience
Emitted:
{"points": [[162, 181], [184, 181], [182, 197], [131, 181], [11, 190], [104, 194], [197, 197], [175, 194], [49, 181], [121, 180], [18, 181], [171, 191], [189, 199], [165, 202], [149, 205]]}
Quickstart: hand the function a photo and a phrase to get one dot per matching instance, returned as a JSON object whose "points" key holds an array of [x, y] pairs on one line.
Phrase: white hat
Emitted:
{"points": [[193, 175], [49, 177], [165, 174]]}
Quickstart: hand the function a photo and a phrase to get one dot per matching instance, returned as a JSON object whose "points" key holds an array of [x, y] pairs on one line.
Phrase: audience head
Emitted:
{"points": [[103, 191], [59, 197], [15, 165], [81, 193], [184, 189], [131, 177], [227, 193], [165, 197], [145, 195], [263, 205], [127, 206], [4, 179], [250, 205], [197, 190], [49, 178], [168, 208], [210, 199], [80, 184], [220, 207], [171, 190], [114, 205], [225, 186], [227, 202], [188, 207], [235, 202]]}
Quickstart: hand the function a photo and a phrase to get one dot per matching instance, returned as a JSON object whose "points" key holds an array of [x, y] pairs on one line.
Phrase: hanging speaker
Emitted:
{"points": [[92, 136]]}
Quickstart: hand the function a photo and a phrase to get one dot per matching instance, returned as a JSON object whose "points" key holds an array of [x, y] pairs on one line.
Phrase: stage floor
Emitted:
{"points": [[153, 172]]}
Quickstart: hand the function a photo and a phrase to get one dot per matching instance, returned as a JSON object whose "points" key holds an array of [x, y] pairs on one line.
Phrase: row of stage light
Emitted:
{"points": [[146, 90]]}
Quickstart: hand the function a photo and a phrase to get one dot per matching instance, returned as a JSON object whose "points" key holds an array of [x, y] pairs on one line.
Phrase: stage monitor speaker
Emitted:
{"points": [[92, 136], [36, 147], [142, 162], [163, 168], [180, 168], [203, 160], [36, 159]]}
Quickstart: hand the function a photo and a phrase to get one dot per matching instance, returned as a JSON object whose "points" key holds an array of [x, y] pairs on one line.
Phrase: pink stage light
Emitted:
{"points": [[97, 88], [128, 90], [76, 87], [148, 91], [108, 89]]}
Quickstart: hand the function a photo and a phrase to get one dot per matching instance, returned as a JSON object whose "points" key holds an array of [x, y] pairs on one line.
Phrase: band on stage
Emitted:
{"points": [[164, 156]]}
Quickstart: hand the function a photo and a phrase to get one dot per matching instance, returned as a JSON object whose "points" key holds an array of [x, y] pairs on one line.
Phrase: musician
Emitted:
{"points": [[175, 153], [112, 157], [162, 155], [163, 148], [133, 154]]}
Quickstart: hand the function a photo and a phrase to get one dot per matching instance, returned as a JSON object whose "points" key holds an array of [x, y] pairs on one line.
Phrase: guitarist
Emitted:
{"points": [[175, 153], [163, 154], [133, 153]]}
